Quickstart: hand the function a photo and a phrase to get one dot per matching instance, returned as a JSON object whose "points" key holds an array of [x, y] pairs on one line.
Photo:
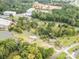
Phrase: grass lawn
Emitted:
{"points": [[67, 41], [41, 43], [21, 37], [63, 55], [77, 57]]}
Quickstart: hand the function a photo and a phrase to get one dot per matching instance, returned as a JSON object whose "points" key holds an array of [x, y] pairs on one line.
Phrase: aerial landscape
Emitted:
{"points": [[39, 29]]}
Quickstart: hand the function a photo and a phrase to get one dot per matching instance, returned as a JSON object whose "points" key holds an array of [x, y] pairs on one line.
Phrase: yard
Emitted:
{"points": [[67, 41]]}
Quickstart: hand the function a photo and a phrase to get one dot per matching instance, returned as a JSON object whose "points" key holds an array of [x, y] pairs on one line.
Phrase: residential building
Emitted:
{"points": [[75, 3], [8, 13], [41, 6], [29, 11]]}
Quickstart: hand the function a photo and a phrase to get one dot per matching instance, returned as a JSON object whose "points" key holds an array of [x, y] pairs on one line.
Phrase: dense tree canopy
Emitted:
{"points": [[15, 5], [9, 49]]}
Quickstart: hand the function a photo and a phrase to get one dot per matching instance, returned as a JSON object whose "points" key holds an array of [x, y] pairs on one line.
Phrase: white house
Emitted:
{"points": [[29, 11], [75, 3], [8, 13], [4, 23]]}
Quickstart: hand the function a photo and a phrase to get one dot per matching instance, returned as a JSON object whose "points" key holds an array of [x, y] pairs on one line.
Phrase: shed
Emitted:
{"points": [[29, 11], [8, 13]]}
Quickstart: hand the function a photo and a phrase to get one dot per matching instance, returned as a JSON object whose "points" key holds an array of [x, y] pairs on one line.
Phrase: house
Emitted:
{"points": [[4, 23], [61, 2], [8, 13], [41, 6], [29, 11], [75, 3]]}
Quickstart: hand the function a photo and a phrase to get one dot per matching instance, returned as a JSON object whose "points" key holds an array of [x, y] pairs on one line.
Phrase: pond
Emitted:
{"points": [[5, 35]]}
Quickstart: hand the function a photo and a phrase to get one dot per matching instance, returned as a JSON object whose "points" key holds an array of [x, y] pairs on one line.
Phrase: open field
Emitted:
{"points": [[67, 41]]}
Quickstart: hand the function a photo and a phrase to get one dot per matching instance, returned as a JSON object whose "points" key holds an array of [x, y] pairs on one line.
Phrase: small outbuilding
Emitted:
{"points": [[29, 11], [8, 13]]}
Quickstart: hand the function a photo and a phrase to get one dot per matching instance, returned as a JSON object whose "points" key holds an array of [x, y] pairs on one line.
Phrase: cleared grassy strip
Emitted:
{"points": [[77, 57], [67, 41], [63, 55]]}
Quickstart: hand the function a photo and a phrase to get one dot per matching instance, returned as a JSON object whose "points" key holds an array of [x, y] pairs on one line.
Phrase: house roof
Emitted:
{"points": [[9, 11], [31, 9], [45, 6], [5, 22]]}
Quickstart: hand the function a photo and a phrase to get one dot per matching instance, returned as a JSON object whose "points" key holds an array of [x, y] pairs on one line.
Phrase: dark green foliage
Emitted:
{"points": [[15, 5], [7, 47]]}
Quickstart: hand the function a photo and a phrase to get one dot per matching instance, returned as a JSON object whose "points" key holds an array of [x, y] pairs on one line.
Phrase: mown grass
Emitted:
{"points": [[77, 57], [67, 41]]}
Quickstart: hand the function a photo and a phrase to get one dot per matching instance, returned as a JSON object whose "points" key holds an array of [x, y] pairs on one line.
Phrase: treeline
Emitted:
{"points": [[9, 49], [68, 14]]}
